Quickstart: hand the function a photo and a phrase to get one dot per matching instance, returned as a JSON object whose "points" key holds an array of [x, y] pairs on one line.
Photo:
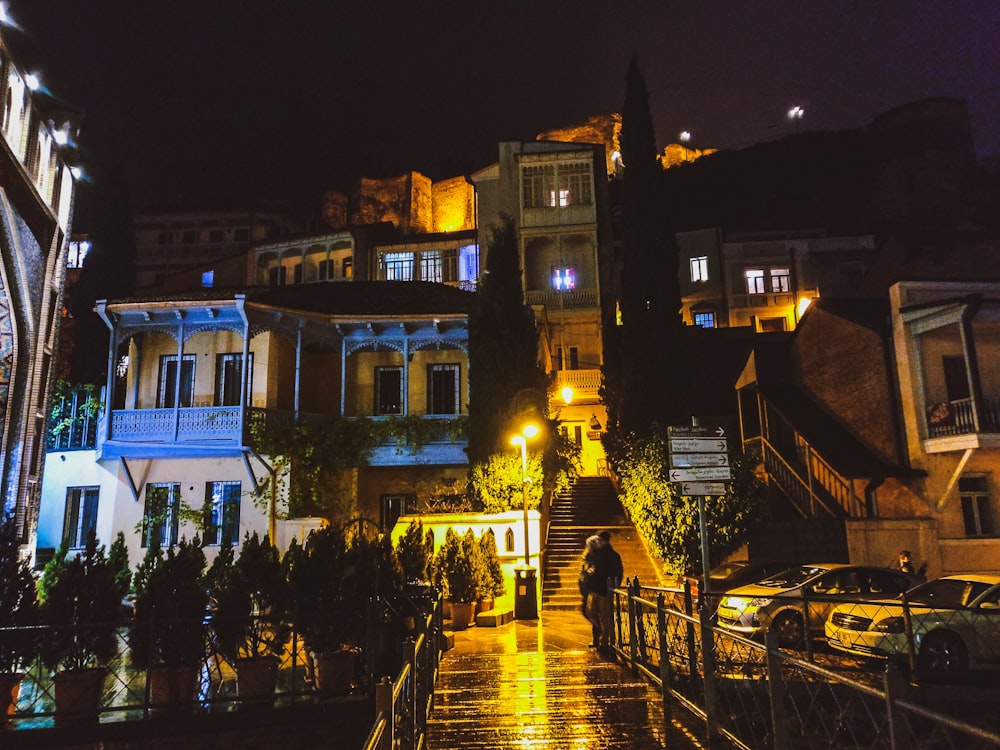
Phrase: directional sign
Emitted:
{"points": [[698, 445], [683, 460], [711, 489], [703, 431], [701, 473]]}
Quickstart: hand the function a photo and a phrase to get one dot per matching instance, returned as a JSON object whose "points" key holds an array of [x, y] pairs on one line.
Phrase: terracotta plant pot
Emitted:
{"points": [[484, 605], [78, 696], [334, 671], [462, 615], [10, 687], [255, 681], [172, 689]]}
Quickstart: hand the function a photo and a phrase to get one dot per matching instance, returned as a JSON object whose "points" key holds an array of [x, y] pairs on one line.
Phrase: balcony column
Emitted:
{"points": [[298, 368], [137, 369], [244, 365], [112, 323], [343, 376], [406, 375], [178, 372], [972, 359]]}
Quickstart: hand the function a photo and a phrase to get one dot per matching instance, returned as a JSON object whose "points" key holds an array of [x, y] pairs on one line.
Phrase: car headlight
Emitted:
{"points": [[890, 625], [742, 603]]}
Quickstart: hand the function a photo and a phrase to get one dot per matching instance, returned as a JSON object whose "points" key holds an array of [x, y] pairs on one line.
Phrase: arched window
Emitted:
{"points": [[508, 540]]}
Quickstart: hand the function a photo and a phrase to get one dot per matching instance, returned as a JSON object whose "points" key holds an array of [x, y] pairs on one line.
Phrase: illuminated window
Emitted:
{"points": [[551, 186], [779, 280], [161, 517], [976, 510], [222, 513], [439, 265], [699, 268], [81, 515], [704, 319], [388, 390], [755, 280], [563, 279], [208, 279], [538, 185], [397, 267], [348, 268]]}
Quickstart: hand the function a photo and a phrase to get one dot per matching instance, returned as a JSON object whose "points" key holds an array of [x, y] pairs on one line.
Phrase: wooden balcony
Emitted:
{"points": [[962, 424], [586, 384]]}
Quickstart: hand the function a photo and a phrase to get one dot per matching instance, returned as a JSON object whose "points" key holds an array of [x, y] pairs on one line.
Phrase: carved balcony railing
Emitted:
{"points": [[198, 424], [568, 299], [947, 418], [583, 382]]}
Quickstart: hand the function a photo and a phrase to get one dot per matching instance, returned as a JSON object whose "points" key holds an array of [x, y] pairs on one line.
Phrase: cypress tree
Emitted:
{"points": [[652, 366], [505, 379]]}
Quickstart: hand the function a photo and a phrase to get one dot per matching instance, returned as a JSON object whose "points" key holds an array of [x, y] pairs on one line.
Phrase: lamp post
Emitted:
{"points": [[795, 115], [525, 598]]}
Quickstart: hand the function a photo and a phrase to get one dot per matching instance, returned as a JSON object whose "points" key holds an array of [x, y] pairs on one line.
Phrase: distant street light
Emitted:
{"points": [[685, 136], [528, 432], [795, 114]]}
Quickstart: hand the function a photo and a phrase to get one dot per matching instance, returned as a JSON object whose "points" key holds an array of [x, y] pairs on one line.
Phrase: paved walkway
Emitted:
{"points": [[536, 684]]}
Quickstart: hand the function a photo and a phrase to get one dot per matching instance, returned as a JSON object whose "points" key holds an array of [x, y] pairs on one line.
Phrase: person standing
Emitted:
{"points": [[904, 563], [602, 566]]}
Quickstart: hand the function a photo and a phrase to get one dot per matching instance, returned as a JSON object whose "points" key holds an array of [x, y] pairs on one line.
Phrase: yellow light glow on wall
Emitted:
{"points": [[803, 305]]}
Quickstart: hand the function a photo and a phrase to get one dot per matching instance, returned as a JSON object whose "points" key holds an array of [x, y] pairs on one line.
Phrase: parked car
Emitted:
{"points": [[724, 577], [955, 622], [778, 603]]}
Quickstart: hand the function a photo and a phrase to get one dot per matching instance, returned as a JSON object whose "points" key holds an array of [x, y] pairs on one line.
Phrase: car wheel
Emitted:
{"points": [[789, 628], [943, 655]]}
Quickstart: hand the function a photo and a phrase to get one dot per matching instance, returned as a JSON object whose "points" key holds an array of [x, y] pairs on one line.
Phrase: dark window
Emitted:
{"points": [[222, 512], [976, 506], [388, 390], [392, 507], [276, 276], [81, 515], [442, 389], [215, 235], [166, 238], [297, 273], [241, 234], [578, 434], [160, 518], [956, 378], [325, 270], [569, 363], [167, 392], [190, 236], [229, 377]]}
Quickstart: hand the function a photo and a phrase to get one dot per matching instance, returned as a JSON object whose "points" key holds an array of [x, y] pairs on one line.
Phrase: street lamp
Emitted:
{"points": [[795, 114], [525, 596]]}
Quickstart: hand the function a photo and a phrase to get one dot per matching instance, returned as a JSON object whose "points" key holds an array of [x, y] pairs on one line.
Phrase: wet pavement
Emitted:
{"points": [[536, 685]]}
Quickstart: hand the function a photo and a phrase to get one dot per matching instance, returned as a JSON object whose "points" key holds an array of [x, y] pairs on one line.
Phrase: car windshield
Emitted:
{"points": [[792, 577], [947, 592], [726, 569]]}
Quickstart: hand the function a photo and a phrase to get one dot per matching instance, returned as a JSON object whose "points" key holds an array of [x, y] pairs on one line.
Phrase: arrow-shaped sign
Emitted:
{"points": [[701, 473], [698, 459], [698, 445], [700, 431]]}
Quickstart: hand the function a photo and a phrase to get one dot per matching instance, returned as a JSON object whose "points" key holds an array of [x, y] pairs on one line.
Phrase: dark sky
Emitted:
{"points": [[207, 100]]}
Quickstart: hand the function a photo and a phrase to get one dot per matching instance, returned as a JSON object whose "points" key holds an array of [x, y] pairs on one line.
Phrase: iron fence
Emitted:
{"points": [[127, 691], [752, 693]]}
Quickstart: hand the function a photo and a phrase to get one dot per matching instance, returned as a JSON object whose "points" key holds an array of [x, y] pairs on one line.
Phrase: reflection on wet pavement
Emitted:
{"points": [[537, 685]]}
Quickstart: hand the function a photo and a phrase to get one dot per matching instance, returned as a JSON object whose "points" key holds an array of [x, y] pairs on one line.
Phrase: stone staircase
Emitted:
{"points": [[591, 504]]}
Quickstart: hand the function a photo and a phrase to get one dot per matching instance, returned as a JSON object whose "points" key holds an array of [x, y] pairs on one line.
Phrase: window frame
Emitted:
{"points": [[756, 275], [977, 506], [166, 529], [701, 316], [699, 268], [377, 406], [435, 372], [166, 389], [225, 506], [80, 517], [781, 280]]}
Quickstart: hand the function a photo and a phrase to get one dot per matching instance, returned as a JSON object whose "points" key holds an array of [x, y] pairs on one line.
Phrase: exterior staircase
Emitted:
{"points": [[590, 505]]}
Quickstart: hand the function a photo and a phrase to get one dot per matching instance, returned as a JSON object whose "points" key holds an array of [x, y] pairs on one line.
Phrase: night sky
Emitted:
{"points": [[213, 101]]}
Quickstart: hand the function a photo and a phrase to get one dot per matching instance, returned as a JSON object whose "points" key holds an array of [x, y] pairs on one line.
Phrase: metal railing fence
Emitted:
{"points": [[756, 695]]}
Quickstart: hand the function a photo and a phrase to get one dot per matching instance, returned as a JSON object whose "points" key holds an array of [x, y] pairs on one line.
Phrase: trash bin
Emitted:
{"points": [[525, 594]]}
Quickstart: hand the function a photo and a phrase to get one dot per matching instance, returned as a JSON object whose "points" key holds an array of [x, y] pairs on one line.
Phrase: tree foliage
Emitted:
{"points": [[669, 521], [18, 605], [506, 383], [644, 382]]}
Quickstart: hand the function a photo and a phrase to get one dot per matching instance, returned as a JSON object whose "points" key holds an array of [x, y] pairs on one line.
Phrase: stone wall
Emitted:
{"points": [[598, 129], [454, 205]]}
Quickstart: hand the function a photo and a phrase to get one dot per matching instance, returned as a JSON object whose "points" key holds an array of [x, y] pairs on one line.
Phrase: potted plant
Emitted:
{"points": [[315, 572], [461, 569], [80, 607], [167, 634], [415, 552], [19, 612], [493, 581], [250, 621]]}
